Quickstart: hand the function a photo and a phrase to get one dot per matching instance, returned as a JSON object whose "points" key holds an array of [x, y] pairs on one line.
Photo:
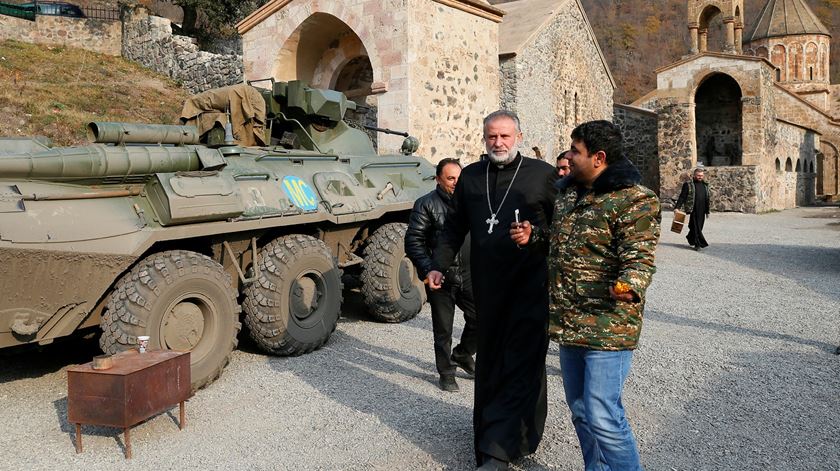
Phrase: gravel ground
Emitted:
{"points": [[735, 371]]}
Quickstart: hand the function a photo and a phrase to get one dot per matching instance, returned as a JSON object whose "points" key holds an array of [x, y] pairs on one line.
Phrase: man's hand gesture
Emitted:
{"points": [[434, 279], [520, 232]]}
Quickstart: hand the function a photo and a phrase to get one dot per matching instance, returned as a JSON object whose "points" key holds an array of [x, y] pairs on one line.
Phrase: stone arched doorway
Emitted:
{"points": [[828, 170], [326, 53], [718, 121]]}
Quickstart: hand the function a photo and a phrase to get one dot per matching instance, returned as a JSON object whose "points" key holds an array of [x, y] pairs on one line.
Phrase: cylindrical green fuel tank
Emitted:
{"points": [[128, 133], [98, 161]]}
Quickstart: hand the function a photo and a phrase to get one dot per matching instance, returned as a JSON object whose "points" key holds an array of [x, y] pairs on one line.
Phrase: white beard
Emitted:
{"points": [[506, 158]]}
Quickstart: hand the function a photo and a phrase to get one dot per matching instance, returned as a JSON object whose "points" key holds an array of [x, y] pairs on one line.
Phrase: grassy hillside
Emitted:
{"points": [[639, 36], [55, 91]]}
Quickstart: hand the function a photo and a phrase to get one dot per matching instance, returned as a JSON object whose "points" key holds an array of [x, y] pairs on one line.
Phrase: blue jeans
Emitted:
{"points": [[593, 381]]}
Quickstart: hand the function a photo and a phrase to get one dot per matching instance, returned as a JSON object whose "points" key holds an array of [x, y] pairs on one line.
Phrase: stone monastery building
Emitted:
{"points": [[757, 114], [435, 68]]}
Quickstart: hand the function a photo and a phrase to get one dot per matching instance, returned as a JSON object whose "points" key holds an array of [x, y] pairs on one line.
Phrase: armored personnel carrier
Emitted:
{"points": [[183, 232]]}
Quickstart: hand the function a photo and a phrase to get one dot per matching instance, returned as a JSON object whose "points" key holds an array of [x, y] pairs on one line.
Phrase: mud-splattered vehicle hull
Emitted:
{"points": [[152, 231]]}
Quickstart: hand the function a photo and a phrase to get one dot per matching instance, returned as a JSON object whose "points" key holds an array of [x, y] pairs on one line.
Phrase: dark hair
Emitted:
{"points": [[443, 163], [601, 135], [502, 114], [562, 156]]}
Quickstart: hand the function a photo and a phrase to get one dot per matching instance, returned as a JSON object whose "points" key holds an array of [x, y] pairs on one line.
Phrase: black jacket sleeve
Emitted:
{"points": [[417, 236]]}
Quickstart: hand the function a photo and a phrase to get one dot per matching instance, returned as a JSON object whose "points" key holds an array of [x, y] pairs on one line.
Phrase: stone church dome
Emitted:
{"points": [[784, 18]]}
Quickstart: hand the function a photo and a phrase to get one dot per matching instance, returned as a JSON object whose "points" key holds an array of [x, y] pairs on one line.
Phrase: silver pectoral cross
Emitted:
{"points": [[492, 221]]}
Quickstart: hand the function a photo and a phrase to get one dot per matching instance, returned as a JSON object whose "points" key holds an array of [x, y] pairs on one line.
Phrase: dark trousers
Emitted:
{"points": [[443, 302]]}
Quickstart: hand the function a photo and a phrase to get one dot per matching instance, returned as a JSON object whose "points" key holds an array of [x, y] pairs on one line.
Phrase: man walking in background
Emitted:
{"points": [[695, 200], [424, 228]]}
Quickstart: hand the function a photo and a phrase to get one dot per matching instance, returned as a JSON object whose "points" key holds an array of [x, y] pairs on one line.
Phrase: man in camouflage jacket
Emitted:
{"points": [[603, 237]]}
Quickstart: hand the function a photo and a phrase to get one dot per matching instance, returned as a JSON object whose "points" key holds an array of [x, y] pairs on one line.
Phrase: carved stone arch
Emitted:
{"points": [[310, 47], [762, 51], [327, 52], [778, 165], [711, 24], [824, 57], [788, 165], [779, 58], [798, 167], [812, 61]]}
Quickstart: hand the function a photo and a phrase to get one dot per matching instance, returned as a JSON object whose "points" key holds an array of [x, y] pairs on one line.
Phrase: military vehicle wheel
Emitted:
{"points": [[293, 307], [393, 291], [184, 301]]}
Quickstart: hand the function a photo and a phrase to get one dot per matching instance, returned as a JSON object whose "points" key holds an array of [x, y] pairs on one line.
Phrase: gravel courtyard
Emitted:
{"points": [[736, 370]]}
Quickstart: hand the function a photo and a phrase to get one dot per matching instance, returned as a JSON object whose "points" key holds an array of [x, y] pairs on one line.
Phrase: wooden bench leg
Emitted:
{"points": [[78, 438], [183, 417], [128, 443]]}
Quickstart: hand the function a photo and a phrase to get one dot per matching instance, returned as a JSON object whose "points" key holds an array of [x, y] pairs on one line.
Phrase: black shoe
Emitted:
{"points": [[465, 363], [493, 464], [447, 383]]}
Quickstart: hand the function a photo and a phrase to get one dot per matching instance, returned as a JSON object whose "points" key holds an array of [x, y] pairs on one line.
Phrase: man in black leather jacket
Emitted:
{"points": [[424, 227]]}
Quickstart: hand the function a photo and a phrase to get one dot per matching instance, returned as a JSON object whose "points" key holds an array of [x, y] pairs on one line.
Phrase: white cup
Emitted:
{"points": [[143, 341]]}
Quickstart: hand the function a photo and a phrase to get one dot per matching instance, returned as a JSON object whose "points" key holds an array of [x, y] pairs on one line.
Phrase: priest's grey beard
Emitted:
{"points": [[506, 158]]}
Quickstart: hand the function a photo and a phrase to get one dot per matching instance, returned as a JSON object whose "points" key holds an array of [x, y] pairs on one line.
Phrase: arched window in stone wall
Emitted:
{"points": [[795, 64], [812, 63], [779, 59], [788, 165], [711, 22], [778, 165], [762, 52], [823, 69], [798, 165], [811, 167], [718, 121]]}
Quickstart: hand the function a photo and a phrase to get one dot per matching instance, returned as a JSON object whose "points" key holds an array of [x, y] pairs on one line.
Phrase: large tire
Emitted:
{"points": [[393, 292], [293, 307], [184, 301]]}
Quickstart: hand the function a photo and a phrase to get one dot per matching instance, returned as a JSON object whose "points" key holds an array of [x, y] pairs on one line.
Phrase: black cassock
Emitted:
{"points": [[698, 215], [511, 296]]}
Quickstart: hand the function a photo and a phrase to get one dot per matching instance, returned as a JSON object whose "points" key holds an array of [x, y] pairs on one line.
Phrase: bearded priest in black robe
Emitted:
{"points": [[510, 286]]}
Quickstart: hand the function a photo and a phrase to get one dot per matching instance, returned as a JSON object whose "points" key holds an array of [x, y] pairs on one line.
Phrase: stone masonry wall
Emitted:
{"points": [[639, 129], [733, 188], [452, 76], [148, 40], [675, 135], [100, 36], [507, 82], [551, 94], [780, 188]]}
